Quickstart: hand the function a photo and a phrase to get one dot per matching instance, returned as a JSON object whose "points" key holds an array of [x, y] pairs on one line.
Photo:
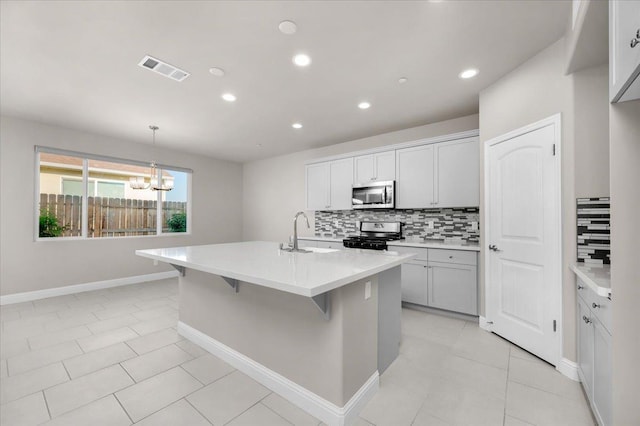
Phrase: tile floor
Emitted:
{"points": [[113, 357]]}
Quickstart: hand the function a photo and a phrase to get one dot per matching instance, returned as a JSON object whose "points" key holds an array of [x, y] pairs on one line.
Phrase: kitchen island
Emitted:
{"points": [[317, 328]]}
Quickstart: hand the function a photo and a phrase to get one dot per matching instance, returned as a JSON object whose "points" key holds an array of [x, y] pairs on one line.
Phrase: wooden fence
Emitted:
{"points": [[109, 217]]}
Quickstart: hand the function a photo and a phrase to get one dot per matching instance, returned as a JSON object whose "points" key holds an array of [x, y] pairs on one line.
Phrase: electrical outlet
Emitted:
{"points": [[367, 290], [474, 226]]}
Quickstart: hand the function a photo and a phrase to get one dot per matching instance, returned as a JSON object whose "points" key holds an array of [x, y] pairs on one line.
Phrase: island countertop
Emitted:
{"points": [[262, 263]]}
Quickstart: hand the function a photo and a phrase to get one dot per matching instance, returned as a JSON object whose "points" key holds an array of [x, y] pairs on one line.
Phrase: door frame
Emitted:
{"points": [[556, 121]]}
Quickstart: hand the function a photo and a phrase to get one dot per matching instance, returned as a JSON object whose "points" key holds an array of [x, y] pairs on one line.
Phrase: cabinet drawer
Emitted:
{"points": [[421, 253], [453, 256], [600, 306]]}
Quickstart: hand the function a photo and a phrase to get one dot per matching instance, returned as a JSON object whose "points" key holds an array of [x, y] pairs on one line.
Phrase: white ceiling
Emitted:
{"points": [[74, 64]]}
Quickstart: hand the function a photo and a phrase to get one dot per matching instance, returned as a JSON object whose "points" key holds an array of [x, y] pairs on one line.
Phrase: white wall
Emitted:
{"points": [[625, 259], [274, 188], [26, 265], [535, 90]]}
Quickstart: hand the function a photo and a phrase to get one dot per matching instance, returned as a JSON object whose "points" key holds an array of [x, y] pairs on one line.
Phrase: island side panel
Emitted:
{"points": [[284, 332], [389, 316]]}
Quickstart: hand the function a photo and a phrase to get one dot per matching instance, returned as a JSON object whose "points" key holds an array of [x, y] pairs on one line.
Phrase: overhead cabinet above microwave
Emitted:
{"points": [[427, 175]]}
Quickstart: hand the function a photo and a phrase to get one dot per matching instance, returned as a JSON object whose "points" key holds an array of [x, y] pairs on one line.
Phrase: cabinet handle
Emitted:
{"points": [[580, 287], [594, 305], [585, 319], [634, 42], [450, 257]]}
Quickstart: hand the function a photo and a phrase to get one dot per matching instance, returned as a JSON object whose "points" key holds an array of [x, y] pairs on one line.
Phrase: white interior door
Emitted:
{"points": [[523, 253]]}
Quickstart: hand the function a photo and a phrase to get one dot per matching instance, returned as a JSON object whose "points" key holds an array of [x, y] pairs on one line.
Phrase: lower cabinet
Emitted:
{"points": [[594, 354], [444, 285]]}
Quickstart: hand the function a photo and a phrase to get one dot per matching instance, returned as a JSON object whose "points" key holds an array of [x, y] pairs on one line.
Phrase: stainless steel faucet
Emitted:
{"points": [[295, 230]]}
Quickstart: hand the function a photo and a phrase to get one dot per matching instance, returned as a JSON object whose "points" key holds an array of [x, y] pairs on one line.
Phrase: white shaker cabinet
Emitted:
{"points": [[414, 282], [414, 177], [329, 185], [380, 166], [624, 50], [453, 287], [457, 174]]}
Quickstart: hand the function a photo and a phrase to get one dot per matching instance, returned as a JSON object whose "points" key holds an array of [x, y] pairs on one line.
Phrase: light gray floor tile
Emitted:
{"points": [[482, 346], [108, 338], [518, 352], [3, 368], [9, 315], [21, 332], [410, 376], [15, 387], [226, 398], [151, 395], [431, 332], [482, 377], [195, 350], [28, 319], [28, 411], [9, 349], [70, 321], [392, 406], [207, 368], [179, 413], [98, 359], [155, 324], [543, 408], [53, 338], [154, 362], [116, 311], [154, 303], [512, 421], [425, 419], [259, 415], [544, 377], [103, 412], [112, 324], [42, 357], [154, 313], [361, 422], [289, 411], [154, 341], [83, 390]]}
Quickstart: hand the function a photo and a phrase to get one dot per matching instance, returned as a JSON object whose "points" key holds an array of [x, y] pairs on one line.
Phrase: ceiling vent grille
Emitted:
{"points": [[163, 68]]}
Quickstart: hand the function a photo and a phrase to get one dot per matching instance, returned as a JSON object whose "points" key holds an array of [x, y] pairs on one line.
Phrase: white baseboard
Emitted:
{"points": [[483, 324], [569, 369], [80, 288], [313, 404]]}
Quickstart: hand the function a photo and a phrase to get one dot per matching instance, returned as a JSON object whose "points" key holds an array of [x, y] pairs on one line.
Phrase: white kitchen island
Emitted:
{"points": [[317, 328]]}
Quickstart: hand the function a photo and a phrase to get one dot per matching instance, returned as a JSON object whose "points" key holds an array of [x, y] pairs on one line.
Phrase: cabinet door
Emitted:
{"points": [[414, 183], [602, 385], [318, 186], [385, 166], [457, 173], [341, 184], [624, 60], [453, 287], [414, 282], [364, 169], [585, 346]]}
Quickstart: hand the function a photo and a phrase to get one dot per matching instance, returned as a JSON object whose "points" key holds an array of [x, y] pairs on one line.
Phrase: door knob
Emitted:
{"points": [[585, 319], [493, 247]]}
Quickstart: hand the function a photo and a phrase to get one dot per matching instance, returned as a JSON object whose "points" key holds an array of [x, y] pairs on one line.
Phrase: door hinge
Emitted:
{"points": [[554, 326], [554, 149]]}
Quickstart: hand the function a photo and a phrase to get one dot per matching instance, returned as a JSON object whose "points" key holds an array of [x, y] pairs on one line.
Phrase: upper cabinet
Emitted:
{"points": [[624, 50], [329, 185], [438, 175], [380, 166]]}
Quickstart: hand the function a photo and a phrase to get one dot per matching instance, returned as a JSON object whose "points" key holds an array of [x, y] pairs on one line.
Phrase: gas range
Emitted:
{"points": [[374, 235]]}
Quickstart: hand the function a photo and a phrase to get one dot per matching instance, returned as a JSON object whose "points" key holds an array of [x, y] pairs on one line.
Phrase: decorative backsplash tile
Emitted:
{"points": [[594, 230], [447, 223]]}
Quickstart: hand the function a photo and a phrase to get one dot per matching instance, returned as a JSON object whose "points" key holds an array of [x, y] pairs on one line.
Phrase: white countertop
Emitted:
{"points": [[420, 243], [597, 277], [262, 263]]}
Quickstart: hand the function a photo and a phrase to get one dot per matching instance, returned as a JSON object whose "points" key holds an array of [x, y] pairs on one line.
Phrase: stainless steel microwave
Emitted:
{"points": [[374, 195]]}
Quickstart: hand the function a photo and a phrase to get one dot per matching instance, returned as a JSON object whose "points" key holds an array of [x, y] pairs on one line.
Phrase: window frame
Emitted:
{"points": [[85, 187]]}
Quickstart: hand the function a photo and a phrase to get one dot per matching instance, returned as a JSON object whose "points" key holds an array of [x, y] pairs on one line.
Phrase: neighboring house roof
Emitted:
{"points": [[117, 168]]}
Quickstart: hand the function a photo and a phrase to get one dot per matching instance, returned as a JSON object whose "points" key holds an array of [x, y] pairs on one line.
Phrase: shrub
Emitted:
{"points": [[178, 222], [49, 226]]}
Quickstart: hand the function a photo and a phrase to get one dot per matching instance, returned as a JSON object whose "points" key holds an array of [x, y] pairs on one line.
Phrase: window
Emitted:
{"points": [[86, 196]]}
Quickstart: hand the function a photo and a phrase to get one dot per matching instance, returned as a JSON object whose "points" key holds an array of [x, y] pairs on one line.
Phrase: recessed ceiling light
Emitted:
{"points": [[229, 97], [218, 72], [288, 27], [403, 80], [301, 60], [364, 105], [472, 72], [297, 125]]}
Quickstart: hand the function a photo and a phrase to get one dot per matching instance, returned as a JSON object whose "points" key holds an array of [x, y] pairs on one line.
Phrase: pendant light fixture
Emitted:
{"points": [[137, 182]]}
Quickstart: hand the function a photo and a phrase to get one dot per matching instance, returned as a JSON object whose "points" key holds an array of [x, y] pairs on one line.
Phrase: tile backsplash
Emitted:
{"points": [[594, 230], [447, 223]]}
